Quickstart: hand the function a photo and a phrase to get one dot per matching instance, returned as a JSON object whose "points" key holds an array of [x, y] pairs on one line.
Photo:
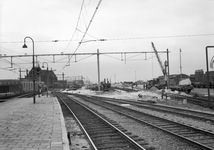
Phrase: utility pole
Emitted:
{"points": [[98, 69], [168, 85], [180, 66], [26, 72], [63, 75], [20, 74]]}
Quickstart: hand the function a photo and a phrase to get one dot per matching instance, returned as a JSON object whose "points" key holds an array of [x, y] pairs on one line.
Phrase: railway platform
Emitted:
{"points": [[28, 126]]}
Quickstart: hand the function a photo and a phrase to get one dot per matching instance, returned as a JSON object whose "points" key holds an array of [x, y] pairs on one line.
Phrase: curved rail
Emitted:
{"points": [[202, 101], [187, 113], [200, 138], [101, 133]]}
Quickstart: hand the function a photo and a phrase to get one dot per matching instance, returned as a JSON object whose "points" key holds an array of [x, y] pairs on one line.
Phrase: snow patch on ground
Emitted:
{"points": [[119, 94], [151, 96]]}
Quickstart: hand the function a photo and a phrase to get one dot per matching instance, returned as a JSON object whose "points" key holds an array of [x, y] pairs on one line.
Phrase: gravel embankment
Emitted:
{"points": [[188, 121], [156, 138]]}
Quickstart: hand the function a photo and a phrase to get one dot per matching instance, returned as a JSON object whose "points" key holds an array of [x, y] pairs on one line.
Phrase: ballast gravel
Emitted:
{"points": [[155, 138]]}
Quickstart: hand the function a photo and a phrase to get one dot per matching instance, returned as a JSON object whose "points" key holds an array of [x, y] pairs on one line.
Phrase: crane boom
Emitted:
{"points": [[159, 61]]}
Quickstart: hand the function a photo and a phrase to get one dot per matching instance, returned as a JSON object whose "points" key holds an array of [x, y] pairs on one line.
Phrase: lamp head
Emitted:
{"points": [[24, 46], [43, 66]]}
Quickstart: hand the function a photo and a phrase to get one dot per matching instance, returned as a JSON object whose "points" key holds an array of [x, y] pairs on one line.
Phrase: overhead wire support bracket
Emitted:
{"points": [[71, 54]]}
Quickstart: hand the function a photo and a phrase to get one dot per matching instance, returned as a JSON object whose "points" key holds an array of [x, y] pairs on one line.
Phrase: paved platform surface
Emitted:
{"points": [[28, 126]]}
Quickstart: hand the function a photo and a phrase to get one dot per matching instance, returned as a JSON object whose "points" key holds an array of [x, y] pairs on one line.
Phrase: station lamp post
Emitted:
{"points": [[47, 75], [25, 46]]}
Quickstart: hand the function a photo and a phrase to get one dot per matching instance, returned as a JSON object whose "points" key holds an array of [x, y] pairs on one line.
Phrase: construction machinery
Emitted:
{"points": [[184, 85], [159, 61], [163, 69]]}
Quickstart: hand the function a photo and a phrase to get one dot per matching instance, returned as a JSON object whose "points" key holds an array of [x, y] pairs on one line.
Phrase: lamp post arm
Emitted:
{"points": [[34, 98]]}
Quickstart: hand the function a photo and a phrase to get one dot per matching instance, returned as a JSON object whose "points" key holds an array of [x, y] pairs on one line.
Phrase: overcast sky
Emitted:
{"points": [[128, 26]]}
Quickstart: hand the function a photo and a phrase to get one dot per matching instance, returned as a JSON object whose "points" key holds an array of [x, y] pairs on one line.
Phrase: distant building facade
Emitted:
{"points": [[43, 76]]}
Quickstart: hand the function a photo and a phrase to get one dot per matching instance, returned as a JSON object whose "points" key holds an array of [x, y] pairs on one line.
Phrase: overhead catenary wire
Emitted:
{"points": [[88, 34], [8, 62], [78, 20], [85, 32], [76, 26]]}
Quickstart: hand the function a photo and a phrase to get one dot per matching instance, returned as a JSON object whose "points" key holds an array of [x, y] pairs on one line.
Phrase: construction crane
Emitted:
{"points": [[159, 61]]}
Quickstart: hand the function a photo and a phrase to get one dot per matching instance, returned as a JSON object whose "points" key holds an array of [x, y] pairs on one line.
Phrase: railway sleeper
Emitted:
{"points": [[122, 129], [161, 124], [207, 138], [138, 139], [133, 136], [108, 138], [191, 135], [143, 143], [178, 130], [95, 127], [114, 146], [208, 142], [147, 147], [185, 132], [171, 127], [202, 138], [110, 135], [109, 142], [100, 131], [89, 121]]}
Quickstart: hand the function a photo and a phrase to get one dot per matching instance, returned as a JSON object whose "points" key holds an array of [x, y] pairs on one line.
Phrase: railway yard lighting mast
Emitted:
{"points": [[25, 46]]}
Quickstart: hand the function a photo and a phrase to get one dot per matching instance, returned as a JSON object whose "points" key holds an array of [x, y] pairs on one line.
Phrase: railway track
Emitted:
{"points": [[26, 95], [200, 138], [101, 132], [202, 101], [186, 113]]}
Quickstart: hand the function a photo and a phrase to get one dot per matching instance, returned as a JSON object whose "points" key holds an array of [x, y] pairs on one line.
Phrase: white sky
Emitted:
{"points": [[149, 20]]}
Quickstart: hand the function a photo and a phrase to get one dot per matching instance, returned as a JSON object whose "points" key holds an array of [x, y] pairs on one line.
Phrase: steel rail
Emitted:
{"points": [[80, 124], [200, 145], [161, 108], [134, 143]]}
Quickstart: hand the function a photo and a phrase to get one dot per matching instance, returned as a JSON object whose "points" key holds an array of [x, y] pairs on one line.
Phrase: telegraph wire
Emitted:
{"points": [[121, 39], [153, 37]]}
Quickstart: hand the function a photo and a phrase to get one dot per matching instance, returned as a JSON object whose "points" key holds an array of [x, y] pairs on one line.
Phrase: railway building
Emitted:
{"points": [[42, 77], [27, 85], [10, 86], [199, 79], [46, 76]]}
